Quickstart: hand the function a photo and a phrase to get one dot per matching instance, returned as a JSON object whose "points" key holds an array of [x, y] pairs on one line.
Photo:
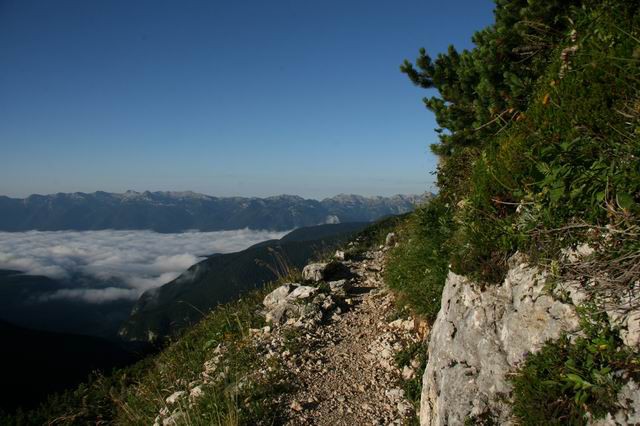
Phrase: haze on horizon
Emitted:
{"points": [[222, 98]]}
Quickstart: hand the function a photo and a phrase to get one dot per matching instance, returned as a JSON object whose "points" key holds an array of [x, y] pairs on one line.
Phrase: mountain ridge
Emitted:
{"points": [[170, 211]]}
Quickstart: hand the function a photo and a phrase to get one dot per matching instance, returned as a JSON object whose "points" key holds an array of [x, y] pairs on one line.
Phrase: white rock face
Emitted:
{"points": [[340, 287], [277, 296], [302, 292], [481, 336]]}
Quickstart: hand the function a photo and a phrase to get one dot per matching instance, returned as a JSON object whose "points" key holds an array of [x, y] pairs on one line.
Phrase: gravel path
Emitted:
{"points": [[345, 373]]}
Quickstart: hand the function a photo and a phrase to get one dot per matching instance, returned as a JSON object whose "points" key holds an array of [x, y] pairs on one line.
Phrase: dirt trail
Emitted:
{"points": [[346, 374]]}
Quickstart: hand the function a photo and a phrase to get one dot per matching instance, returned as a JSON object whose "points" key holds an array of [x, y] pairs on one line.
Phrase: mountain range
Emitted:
{"points": [[182, 211]]}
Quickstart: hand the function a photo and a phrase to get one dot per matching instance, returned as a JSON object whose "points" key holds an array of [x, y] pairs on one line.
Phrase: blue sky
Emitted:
{"points": [[250, 98]]}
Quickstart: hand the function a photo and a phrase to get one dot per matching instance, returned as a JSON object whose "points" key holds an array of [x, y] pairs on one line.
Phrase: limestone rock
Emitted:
{"points": [[282, 312], [302, 292], [629, 412], [340, 287], [395, 395], [480, 336], [277, 296], [296, 406], [314, 272], [408, 373], [292, 302]]}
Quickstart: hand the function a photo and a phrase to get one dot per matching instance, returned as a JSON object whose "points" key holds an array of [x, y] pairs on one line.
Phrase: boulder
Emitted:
{"points": [[278, 295], [326, 303], [282, 312], [302, 292], [390, 240], [291, 302], [316, 272]]}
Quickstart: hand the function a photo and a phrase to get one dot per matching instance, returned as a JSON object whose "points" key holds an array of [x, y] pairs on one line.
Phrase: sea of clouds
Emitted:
{"points": [[137, 260]]}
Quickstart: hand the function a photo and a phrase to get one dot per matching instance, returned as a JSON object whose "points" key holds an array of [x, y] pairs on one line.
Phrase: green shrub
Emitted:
{"points": [[564, 146], [418, 267]]}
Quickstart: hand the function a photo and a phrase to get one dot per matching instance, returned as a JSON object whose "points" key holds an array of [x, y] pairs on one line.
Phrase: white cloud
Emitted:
{"points": [[139, 259], [92, 295]]}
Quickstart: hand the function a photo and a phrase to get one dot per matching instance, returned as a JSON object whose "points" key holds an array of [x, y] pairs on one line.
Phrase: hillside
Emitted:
{"points": [[166, 310], [527, 260], [221, 354], [37, 363], [182, 211]]}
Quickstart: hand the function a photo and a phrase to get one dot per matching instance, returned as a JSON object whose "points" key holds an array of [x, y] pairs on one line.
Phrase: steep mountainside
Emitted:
{"points": [[180, 211], [37, 363], [221, 278]]}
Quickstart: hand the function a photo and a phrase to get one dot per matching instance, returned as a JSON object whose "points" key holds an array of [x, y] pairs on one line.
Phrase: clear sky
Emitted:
{"points": [[246, 97]]}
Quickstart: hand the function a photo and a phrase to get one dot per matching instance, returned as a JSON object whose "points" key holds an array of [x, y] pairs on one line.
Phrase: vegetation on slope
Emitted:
{"points": [[567, 376], [417, 269], [32, 373], [136, 394], [539, 149], [539, 129]]}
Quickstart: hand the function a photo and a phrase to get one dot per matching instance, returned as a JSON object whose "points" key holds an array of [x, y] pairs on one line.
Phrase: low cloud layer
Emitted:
{"points": [[140, 260]]}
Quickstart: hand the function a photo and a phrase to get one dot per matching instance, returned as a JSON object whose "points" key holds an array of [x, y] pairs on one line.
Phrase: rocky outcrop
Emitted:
{"points": [[481, 335], [295, 302]]}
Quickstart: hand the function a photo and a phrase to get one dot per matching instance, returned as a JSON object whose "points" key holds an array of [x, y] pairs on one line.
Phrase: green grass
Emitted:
{"points": [[413, 387], [136, 394], [417, 269]]}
